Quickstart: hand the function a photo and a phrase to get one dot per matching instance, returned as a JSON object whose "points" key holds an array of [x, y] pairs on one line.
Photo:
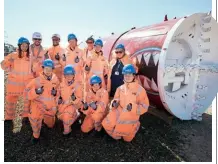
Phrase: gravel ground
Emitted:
{"points": [[155, 141]]}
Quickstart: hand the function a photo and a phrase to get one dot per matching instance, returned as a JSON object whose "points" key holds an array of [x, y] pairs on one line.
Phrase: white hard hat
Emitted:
{"points": [[56, 35], [37, 35]]}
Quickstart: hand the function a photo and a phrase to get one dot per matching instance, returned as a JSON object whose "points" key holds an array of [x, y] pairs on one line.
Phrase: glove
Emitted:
{"points": [[46, 55], [53, 92], [60, 100], [76, 60], [129, 107], [87, 68], [93, 105], [57, 56], [73, 97], [64, 57], [85, 106], [39, 90], [115, 104]]}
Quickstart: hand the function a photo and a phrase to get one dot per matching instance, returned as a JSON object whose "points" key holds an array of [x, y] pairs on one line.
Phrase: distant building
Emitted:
{"points": [[8, 48]]}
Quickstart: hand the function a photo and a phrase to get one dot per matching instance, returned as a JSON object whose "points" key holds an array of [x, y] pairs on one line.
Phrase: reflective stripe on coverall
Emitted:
{"points": [[123, 123], [70, 59], [68, 110], [37, 57], [98, 66], [43, 106], [19, 74], [58, 67], [94, 118]]}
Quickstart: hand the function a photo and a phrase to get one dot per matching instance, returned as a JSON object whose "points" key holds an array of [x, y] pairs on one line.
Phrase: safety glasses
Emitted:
{"points": [[90, 42], [119, 52], [37, 39]]}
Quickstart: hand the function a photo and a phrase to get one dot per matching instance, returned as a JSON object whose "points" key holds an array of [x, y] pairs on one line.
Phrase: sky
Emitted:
{"points": [[84, 17]]}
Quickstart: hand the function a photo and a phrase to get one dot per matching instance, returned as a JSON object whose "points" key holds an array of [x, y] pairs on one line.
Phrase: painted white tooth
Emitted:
{"points": [[139, 57], [147, 57], [153, 85], [156, 58]]}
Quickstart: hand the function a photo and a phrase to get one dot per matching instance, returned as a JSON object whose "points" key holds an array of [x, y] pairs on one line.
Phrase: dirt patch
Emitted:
{"points": [[155, 141]]}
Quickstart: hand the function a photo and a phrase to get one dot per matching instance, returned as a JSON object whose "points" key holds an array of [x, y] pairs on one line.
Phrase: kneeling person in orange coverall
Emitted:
{"points": [[42, 91], [70, 97], [130, 101], [95, 106]]}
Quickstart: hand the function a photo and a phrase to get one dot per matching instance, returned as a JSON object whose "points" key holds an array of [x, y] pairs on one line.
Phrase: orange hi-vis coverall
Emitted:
{"points": [[121, 122], [98, 66], [37, 57], [68, 109], [87, 53], [125, 60], [19, 74], [57, 51], [94, 118], [43, 106], [75, 58]]}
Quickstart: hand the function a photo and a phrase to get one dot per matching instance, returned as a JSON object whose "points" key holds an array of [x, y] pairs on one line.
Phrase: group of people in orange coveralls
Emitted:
{"points": [[67, 83]]}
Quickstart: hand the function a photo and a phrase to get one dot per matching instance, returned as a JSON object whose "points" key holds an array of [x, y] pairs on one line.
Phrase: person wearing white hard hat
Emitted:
{"points": [[56, 53], [38, 54]]}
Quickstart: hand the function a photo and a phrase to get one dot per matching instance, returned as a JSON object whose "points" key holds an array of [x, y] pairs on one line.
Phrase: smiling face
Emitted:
{"points": [[47, 71], [119, 53], [55, 41], [90, 44], [129, 78], [69, 77], [72, 43], [95, 87], [98, 48], [24, 47], [37, 42]]}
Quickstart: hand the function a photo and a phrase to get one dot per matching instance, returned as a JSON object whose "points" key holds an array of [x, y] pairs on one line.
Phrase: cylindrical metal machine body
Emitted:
{"points": [[176, 58]]}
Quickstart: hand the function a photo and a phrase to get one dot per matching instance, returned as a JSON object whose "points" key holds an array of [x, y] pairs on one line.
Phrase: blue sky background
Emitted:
{"points": [[84, 18]]}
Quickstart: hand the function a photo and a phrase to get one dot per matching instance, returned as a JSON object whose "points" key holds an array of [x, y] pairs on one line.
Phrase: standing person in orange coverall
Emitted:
{"points": [[89, 50], [96, 64], [130, 101], [38, 54], [70, 96], [115, 76], [56, 54], [18, 65], [42, 91], [74, 56], [95, 105]]}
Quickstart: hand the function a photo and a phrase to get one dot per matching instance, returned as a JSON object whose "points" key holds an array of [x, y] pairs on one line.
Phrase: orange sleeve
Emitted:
{"points": [[30, 90], [78, 94], [103, 102], [7, 63], [142, 103]]}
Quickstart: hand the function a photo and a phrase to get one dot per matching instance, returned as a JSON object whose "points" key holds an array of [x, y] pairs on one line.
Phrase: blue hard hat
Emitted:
{"points": [[128, 69], [22, 40], [48, 63], [69, 70], [99, 42], [95, 80], [71, 36], [120, 46]]}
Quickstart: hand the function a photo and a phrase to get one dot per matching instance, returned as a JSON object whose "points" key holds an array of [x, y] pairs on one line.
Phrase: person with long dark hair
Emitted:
{"points": [[19, 68]]}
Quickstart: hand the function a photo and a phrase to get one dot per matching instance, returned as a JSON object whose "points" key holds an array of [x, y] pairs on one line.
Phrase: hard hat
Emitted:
{"points": [[69, 70], [120, 46], [72, 36], [48, 63], [95, 80], [22, 40], [56, 35], [99, 42], [128, 69], [37, 35]]}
